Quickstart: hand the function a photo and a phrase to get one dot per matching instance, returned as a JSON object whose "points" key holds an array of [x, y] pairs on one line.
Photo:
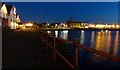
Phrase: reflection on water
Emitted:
{"points": [[98, 41], [115, 50], [92, 39], [64, 34], [107, 41], [56, 33], [48, 31], [82, 37]]}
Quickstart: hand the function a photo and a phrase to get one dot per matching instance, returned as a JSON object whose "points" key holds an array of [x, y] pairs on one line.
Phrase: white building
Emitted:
{"points": [[13, 18], [9, 16], [3, 15]]}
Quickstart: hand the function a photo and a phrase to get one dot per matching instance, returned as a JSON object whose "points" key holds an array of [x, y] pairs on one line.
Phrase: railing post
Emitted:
{"points": [[46, 40], [42, 37], [54, 55], [76, 52]]}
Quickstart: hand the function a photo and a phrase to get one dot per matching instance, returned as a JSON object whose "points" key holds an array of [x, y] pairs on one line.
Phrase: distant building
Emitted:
{"points": [[58, 25], [79, 24], [69, 21], [44, 25], [73, 24], [27, 25]]}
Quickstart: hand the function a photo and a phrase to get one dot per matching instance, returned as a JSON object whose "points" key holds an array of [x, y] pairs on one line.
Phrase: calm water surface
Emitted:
{"points": [[107, 41]]}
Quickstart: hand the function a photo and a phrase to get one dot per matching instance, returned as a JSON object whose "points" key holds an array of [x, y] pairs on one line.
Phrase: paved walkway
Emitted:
{"points": [[24, 50]]}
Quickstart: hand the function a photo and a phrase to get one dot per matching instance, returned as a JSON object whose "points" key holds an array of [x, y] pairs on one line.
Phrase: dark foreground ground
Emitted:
{"points": [[23, 50]]}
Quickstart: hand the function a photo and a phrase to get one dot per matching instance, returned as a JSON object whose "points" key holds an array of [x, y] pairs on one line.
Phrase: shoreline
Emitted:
{"points": [[77, 29]]}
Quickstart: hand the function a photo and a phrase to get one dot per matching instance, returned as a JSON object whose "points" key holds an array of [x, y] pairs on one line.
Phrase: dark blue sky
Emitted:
{"points": [[105, 12]]}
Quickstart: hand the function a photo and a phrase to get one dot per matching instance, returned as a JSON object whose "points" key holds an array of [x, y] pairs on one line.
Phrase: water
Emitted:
{"points": [[107, 41]]}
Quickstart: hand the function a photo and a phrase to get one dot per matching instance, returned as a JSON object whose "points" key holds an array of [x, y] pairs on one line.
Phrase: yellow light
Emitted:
{"points": [[108, 25], [97, 26], [102, 25], [117, 26], [29, 24], [86, 26], [113, 26]]}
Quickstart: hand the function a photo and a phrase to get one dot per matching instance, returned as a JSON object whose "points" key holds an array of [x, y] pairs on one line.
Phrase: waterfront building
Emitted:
{"points": [[8, 16], [28, 25], [72, 24], [80, 25], [3, 15], [13, 18], [58, 25], [69, 21], [76, 24], [45, 25]]}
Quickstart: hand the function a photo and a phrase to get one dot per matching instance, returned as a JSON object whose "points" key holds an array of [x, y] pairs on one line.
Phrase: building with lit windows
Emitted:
{"points": [[44, 25], [58, 25], [8, 16], [28, 25], [3, 15], [78, 24]]}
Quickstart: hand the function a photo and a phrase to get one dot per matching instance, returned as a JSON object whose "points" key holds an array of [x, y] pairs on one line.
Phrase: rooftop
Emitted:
{"points": [[9, 7]]}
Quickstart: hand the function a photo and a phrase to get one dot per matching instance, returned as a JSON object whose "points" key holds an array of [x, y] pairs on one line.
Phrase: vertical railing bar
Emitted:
{"points": [[76, 52], [54, 47], [46, 40]]}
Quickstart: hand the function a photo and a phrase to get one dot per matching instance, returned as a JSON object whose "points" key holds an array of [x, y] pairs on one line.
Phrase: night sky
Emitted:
{"points": [[55, 12]]}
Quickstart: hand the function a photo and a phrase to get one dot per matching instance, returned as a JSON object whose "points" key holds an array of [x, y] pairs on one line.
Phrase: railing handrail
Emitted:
{"points": [[68, 62], [104, 54]]}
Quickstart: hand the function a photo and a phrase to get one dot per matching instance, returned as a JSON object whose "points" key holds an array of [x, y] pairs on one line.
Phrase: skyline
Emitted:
{"points": [[53, 12]]}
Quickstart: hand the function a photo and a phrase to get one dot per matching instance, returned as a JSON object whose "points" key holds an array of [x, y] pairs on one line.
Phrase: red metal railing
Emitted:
{"points": [[101, 53]]}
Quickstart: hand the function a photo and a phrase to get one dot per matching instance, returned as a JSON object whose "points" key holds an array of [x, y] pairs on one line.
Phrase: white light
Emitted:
{"points": [[66, 31], [56, 33], [86, 26], [29, 24], [48, 31], [82, 31], [106, 30]]}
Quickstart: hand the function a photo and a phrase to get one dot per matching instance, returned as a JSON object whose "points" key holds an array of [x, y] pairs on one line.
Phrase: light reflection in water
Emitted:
{"points": [[108, 43], [115, 50], [101, 30], [106, 31], [48, 31], [56, 33], [98, 41], [64, 34], [82, 37], [103, 41], [100, 44], [92, 39]]}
